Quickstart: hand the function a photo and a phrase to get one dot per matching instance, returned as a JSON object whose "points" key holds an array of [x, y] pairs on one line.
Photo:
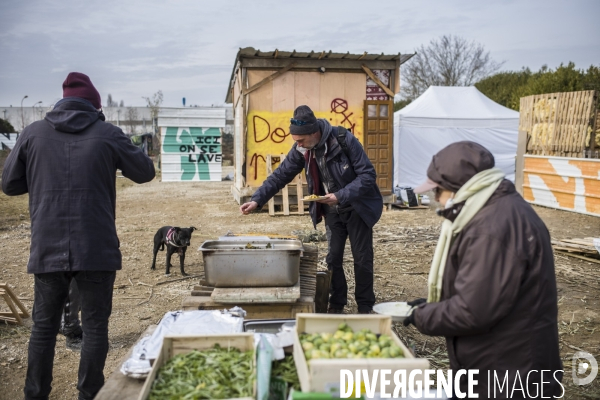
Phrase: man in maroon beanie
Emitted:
{"points": [[67, 163], [79, 85]]}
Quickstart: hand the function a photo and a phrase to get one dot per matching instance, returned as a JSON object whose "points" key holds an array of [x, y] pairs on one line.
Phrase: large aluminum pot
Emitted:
{"points": [[271, 263]]}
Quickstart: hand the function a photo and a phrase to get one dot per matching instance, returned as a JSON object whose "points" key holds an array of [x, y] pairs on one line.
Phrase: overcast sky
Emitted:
{"points": [[132, 48]]}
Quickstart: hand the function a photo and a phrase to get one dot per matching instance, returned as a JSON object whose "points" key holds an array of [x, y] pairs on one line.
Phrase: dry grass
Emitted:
{"points": [[403, 243]]}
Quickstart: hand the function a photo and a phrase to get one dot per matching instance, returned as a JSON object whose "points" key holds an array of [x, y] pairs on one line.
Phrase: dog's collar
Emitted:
{"points": [[171, 238]]}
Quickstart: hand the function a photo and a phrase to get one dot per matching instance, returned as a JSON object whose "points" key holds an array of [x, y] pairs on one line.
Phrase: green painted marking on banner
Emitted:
{"points": [[198, 147]]}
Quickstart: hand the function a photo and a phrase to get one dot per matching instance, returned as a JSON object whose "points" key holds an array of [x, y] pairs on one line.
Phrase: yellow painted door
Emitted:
{"points": [[378, 116]]}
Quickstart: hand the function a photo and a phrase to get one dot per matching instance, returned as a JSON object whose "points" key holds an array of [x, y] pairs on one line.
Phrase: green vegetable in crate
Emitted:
{"points": [[345, 343], [215, 373], [307, 345], [286, 370]]}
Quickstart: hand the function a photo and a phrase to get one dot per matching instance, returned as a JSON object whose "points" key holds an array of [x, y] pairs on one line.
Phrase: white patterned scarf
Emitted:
{"points": [[476, 192]]}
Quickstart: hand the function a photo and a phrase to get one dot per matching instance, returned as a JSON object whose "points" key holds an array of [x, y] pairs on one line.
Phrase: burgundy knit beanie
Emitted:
{"points": [[80, 85]]}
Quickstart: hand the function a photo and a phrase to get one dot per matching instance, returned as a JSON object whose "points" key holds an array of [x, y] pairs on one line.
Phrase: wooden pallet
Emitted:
{"points": [[557, 123], [579, 248], [253, 311], [254, 295], [402, 206], [285, 191], [17, 310], [585, 246]]}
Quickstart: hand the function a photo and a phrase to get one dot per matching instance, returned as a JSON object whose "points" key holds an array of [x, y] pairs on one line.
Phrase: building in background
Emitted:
{"points": [[132, 120], [136, 122]]}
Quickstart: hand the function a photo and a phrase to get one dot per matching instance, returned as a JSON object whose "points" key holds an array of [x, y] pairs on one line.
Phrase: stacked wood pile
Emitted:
{"points": [[578, 248], [308, 271], [560, 124]]}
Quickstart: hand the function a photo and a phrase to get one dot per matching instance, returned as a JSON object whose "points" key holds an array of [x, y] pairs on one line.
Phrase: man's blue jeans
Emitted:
{"points": [[51, 291]]}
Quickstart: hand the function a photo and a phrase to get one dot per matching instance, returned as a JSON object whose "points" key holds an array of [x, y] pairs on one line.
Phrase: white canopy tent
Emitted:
{"points": [[444, 115]]}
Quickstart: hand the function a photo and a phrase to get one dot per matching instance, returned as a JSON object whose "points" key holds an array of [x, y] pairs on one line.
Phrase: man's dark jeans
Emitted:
{"points": [[51, 290], [342, 226], [70, 324]]}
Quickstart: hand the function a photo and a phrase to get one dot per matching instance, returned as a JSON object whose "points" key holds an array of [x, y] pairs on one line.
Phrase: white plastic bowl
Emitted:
{"points": [[398, 310]]}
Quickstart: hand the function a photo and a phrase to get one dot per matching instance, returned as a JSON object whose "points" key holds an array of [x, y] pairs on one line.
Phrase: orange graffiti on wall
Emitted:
{"points": [[564, 188]]}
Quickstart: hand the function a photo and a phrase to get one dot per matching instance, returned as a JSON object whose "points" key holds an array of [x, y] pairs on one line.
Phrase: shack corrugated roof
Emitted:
{"points": [[252, 53]]}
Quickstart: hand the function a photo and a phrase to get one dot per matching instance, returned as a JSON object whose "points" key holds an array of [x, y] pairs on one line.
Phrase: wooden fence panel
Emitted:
{"points": [[560, 124]]}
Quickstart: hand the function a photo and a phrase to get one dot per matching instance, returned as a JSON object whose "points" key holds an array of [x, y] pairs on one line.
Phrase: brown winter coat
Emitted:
{"points": [[498, 310]]}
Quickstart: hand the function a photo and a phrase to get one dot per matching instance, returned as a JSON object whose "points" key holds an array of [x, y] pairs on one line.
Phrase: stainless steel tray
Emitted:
{"points": [[231, 264], [267, 325]]}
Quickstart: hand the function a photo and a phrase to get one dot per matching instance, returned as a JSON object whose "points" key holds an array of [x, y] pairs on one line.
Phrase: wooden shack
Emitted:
{"points": [[353, 90]]}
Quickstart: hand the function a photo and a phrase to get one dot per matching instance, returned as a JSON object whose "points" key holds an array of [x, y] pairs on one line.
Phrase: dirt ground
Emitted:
{"points": [[404, 244]]}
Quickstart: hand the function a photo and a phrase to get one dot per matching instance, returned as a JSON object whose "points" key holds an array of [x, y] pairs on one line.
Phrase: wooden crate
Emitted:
{"points": [[323, 375], [174, 345], [119, 386]]}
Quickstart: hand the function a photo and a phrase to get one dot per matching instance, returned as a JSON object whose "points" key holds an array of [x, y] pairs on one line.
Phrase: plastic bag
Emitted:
{"points": [[196, 322], [263, 368]]}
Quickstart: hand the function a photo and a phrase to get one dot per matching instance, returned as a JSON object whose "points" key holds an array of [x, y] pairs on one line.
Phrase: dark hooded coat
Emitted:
{"points": [[498, 309], [67, 163], [355, 175]]}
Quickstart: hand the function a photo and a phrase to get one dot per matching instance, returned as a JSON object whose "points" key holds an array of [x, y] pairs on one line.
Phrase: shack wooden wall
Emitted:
{"points": [[239, 129], [335, 96]]}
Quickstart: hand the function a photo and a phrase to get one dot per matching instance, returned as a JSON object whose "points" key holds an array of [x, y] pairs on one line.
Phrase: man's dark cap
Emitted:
{"points": [[304, 114], [456, 163]]}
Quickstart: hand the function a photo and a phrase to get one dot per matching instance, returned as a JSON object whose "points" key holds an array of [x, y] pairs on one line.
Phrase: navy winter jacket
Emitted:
{"points": [[356, 177], [67, 163]]}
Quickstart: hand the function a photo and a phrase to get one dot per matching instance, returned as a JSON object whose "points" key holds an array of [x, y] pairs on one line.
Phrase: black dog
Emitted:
{"points": [[177, 240]]}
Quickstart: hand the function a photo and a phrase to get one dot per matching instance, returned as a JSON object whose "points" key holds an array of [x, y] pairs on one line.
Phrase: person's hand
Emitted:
{"points": [[410, 319], [247, 208], [416, 302], [329, 199]]}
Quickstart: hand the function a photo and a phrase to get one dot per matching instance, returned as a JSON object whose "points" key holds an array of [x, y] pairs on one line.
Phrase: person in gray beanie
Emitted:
{"points": [[338, 169]]}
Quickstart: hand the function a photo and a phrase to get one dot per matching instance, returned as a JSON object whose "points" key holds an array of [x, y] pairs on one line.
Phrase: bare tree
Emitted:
{"points": [[110, 102], [132, 117], [109, 108], [122, 104], [447, 61], [154, 104]]}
